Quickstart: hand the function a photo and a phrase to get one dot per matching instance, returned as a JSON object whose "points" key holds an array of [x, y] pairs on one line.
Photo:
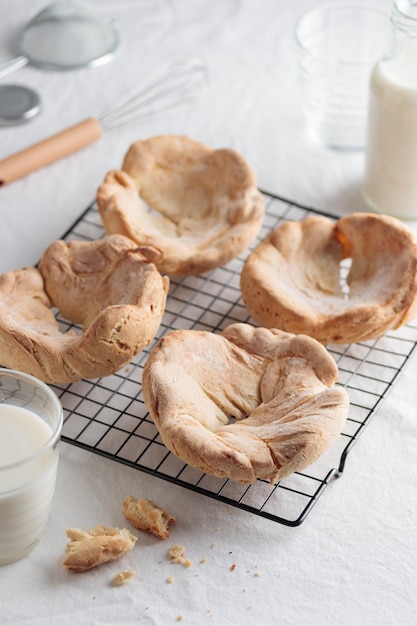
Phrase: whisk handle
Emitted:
{"points": [[49, 150]]}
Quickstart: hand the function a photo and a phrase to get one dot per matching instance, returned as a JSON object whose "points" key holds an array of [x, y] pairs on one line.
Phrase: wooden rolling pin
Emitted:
{"points": [[49, 150]]}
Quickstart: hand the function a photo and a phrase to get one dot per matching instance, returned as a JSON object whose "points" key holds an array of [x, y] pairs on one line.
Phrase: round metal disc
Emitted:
{"points": [[18, 104]]}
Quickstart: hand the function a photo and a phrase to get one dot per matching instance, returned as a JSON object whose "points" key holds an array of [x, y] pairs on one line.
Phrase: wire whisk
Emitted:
{"points": [[171, 86]]}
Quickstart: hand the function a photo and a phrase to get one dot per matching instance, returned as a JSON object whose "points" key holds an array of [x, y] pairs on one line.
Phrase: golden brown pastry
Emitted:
{"points": [[292, 280], [108, 286], [206, 208], [87, 549], [145, 515], [249, 403]]}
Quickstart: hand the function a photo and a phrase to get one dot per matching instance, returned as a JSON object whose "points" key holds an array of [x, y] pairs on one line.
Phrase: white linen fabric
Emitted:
{"points": [[352, 561]]}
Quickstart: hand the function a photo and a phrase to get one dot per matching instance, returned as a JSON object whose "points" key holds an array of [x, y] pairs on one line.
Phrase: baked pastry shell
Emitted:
{"points": [[294, 280], [249, 403], [205, 206], [108, 287]]}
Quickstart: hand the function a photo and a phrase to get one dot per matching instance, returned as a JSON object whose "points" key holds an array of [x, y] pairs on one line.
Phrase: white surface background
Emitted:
{"points": [[353, 561]]}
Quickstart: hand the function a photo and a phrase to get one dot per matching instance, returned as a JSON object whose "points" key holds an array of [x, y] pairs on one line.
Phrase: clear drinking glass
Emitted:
{"points": [[338, 45], [30, 427]]}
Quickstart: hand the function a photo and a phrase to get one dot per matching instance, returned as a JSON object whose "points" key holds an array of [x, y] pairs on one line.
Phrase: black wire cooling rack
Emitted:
{"points": [[108, 416]]}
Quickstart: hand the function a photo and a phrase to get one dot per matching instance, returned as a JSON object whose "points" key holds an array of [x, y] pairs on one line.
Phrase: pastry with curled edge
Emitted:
{"points": [[206, 208], [292, 280], [249, 403], [110, 287]]}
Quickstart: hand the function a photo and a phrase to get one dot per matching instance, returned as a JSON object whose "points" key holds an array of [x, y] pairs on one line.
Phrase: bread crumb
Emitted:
{"points": [[233, 567], [177, 555], [98, 545], [180, 618], [257, 573], [146, 515], [170, 580], [123, 577], [214, 545], [203, 560]]}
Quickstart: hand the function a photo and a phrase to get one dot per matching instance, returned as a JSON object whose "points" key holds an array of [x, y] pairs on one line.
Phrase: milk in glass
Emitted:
{"points": [[28, 465], [390, 184]]}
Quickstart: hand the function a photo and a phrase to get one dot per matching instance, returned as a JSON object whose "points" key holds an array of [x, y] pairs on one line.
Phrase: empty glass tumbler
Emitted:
{"points": [[338, 45]]}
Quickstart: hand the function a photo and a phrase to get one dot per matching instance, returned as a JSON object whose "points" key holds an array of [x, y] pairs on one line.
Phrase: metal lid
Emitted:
{"points": [[18, 104]]}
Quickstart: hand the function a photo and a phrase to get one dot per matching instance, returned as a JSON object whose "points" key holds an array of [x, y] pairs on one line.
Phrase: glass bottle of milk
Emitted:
{"points": [[390, 184]]}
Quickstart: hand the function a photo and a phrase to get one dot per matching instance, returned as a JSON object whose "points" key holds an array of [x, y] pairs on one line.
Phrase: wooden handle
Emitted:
{"points": [[49, 150]]}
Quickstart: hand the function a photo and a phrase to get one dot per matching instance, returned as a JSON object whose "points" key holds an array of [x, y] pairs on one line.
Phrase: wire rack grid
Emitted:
{"points": [[108, 416]]}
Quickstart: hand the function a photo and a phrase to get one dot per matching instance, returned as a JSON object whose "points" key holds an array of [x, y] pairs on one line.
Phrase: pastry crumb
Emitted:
{"points": [[180, 618], [233, 567], [170, 580], [257, 573], [177, 555], [87, 549], [146, 515], [123, 577]]}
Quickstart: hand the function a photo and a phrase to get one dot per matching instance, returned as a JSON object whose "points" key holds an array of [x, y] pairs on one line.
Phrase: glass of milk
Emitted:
{"points": [[30, 427], [338, 44], [390, 184]]}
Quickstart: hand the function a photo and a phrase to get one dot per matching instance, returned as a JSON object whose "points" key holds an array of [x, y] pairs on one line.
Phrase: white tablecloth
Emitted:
{"points": [[353, 560]]}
